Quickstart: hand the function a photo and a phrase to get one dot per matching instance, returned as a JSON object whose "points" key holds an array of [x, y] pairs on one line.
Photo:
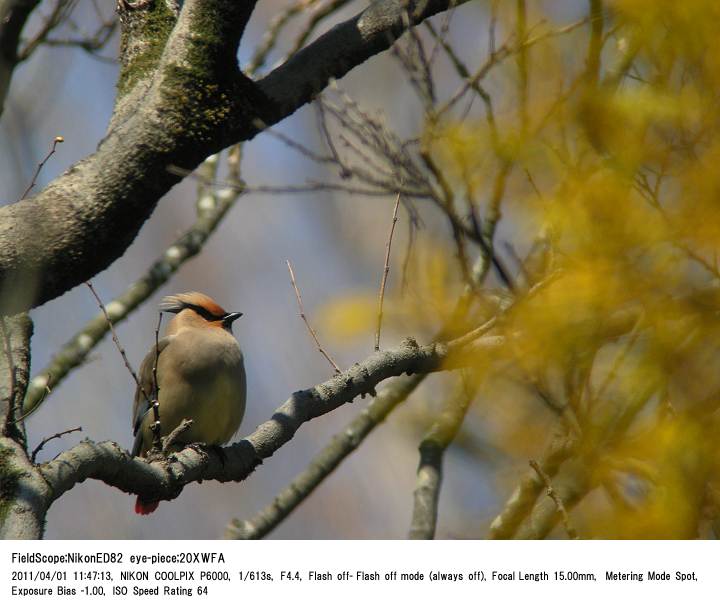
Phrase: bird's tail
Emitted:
{"points": [[145, 507]]}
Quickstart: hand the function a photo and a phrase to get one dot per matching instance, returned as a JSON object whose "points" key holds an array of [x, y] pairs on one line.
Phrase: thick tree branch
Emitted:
{"points": [[344, 47], [23, 493], [165, 480], [176, 106], [15, 333]]}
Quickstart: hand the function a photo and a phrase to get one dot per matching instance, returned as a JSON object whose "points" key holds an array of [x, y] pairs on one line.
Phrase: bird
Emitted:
{"points": [[200, 376]]}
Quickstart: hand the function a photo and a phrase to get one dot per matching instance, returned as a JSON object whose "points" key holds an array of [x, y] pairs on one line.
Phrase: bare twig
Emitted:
{"points": [[310, 186], [277, 24], [386, 271], [572, 533], [531, 180], [446, 201], [92, 43], [318, 14], [522, 65], [58, 140], [500, 54], [523, 498], [116, 340], [156, 399], [60, 13], [492, 26], [307, 323], [596, 42], [44, 441], [464, 73], [491, 221]]}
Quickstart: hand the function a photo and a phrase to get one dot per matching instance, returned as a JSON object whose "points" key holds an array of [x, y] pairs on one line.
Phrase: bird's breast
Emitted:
{"points": [[206, 384]]}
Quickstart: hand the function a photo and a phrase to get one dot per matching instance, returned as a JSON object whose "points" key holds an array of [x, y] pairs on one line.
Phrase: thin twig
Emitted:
{"points": [[273, 30], [572, 533], [52, 437], [60, 13], [500, 55], [156, 400], [307, 323], [318, 14], [533, 184], [522, 65], [492, 26], [386, 271], [116, 340], [58, 140], [464, 73]]}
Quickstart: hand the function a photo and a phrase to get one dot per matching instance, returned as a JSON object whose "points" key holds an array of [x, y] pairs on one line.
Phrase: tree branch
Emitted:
{"points": [[25, 496], [559, 504], [523, 498], [344, 47], [23, 493], [176, 106], [325, 462], [569, 487], [164, 480], [430, 469], [15, 336]]}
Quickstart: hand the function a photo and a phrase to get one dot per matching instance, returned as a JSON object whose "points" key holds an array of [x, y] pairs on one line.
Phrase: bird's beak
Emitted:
{"points": [[230, 317]]}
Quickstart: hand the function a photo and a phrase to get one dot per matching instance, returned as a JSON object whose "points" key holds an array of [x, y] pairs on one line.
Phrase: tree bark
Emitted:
{"points": [[181, 97]]}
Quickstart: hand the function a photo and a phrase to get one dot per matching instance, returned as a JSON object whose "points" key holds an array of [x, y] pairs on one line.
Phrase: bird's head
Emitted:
{"points": [[197, 309]]}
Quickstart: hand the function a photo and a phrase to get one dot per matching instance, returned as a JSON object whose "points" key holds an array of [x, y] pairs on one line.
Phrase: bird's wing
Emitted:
{"points": [[147, 380]]}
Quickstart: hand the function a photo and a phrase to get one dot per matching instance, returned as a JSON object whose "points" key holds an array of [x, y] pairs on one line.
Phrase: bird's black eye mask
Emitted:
{"points": [[203, 312], [175, 305]]}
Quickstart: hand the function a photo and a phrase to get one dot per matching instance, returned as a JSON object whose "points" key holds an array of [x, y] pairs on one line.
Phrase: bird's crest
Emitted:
{"points": [[192, 300]]}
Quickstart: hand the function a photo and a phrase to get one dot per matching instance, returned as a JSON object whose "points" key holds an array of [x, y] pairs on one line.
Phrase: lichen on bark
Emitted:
{"points": [[143, 36], [9, 477]]}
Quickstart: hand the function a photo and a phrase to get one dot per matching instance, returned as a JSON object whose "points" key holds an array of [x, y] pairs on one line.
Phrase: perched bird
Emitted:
{"points": [[200, 374]]}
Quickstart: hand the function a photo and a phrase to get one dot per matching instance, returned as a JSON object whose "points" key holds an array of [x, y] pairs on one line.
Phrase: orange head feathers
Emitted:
{"points": [[197, 308]]}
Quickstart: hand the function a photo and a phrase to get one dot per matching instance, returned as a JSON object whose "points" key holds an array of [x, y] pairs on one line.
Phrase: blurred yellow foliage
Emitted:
{"points": [[429, 297], [614, 338]]}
